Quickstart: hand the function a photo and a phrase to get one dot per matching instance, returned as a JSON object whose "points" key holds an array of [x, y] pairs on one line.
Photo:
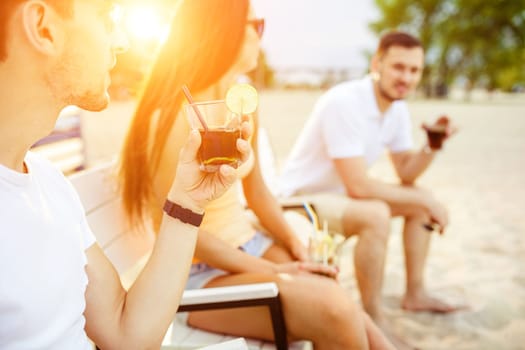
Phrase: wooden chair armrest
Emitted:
{"points": [[257, 294], [243, 292]]}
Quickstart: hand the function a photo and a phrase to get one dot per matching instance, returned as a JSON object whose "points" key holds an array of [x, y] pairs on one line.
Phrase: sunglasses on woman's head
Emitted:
{"points": [[258, 25]]}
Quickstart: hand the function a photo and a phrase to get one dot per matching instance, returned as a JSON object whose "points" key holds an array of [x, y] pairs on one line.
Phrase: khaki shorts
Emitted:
{"points": [[329, 206]]}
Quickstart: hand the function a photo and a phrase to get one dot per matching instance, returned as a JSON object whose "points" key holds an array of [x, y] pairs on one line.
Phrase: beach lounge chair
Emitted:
{"points": [[129, 250]]}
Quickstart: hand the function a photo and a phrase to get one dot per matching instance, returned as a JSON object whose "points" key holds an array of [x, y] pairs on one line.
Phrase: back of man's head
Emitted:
{"points": [[7, 8], [397, 38]]}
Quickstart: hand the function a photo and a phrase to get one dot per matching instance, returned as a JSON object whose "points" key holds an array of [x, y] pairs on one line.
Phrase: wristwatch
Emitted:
{"points": [[187, 216]]}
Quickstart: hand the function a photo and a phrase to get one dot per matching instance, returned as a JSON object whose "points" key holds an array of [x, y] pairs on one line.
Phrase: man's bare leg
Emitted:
{"points": [[416, 241], [370, 220]]}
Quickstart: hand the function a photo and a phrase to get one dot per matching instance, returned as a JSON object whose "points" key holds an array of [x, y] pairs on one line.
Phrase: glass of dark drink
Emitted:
{"points": [[436, 134], [219, 139]]}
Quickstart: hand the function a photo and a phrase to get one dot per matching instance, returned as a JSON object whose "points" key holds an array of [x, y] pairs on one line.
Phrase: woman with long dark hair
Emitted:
{"points": [[210, 44]]}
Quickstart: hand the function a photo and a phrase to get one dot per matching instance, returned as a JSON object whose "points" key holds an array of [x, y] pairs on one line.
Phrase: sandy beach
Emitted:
{"points": [[480, 176]]}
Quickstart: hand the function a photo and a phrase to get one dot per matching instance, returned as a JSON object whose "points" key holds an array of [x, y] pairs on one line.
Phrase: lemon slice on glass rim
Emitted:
{"points": [[242, 99]]}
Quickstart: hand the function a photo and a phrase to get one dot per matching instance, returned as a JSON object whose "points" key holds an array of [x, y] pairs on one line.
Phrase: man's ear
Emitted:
{"points": [[374, 63], [40, 26], [375, 67]]}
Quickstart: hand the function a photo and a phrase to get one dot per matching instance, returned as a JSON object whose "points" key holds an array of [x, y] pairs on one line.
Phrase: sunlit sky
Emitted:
{"points": [[317, 33]]}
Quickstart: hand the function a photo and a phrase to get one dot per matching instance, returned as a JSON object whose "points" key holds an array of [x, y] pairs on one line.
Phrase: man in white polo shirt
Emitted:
{"points": [[349, 128]]}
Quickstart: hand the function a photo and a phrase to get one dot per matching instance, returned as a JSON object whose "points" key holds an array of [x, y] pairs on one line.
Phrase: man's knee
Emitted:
{"points": [[415, 210], [379, 217], [381, 211], [369, 215]]}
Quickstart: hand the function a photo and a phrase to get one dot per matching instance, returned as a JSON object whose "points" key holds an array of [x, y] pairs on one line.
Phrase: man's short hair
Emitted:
{"points": [[397, 38], [64, 7]]}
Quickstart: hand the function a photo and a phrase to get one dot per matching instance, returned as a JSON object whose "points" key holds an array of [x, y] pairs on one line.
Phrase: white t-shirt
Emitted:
{"points": [[43, 238], [345, 123]]}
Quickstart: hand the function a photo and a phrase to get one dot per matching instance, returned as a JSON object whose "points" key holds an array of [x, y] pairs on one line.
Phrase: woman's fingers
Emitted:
{"points": [[326, 270], [228, 175], [246, 128], [244, 147], [188, 153]]}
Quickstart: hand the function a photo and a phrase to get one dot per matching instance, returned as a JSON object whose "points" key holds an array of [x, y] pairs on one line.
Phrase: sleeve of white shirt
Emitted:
{"points": [[87, 234], [402, 140], [341, 129]]}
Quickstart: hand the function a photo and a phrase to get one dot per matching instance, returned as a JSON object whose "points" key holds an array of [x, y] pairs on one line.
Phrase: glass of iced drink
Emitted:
{"points": [[219, 140], [323, 247]]}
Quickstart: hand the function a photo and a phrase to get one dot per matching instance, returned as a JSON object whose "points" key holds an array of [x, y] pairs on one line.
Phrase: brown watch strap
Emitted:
{"points": [[185, 215]]}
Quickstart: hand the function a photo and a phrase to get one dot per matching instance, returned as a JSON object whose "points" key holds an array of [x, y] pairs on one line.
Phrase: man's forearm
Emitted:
{"points": [[392, 194], [359, 184], [415, 164]]}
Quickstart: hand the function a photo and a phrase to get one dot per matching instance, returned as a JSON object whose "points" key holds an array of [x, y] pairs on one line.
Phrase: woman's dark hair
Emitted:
{"points": [[204, 41]]}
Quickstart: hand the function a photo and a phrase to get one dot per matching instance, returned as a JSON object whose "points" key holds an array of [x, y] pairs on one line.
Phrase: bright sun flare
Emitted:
{"points": [[145, 22]]}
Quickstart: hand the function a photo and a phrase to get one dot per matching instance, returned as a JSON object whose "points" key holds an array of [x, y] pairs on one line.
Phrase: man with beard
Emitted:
{"points": [[57, 288], [349, 128]]}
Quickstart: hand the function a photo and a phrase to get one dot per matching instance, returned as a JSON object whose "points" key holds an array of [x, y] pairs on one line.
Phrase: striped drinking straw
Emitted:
{"points": [[312, 216]]}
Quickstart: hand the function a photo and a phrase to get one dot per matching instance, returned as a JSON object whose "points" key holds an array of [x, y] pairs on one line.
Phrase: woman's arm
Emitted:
{"points": [[219, 254], [267, 208]]}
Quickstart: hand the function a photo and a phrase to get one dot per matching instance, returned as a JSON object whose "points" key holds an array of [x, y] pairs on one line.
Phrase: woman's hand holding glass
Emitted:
{"points": [[193, 188]]}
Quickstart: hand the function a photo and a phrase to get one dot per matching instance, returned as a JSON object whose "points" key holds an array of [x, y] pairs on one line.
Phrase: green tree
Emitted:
{"points": [[481, 41]]}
